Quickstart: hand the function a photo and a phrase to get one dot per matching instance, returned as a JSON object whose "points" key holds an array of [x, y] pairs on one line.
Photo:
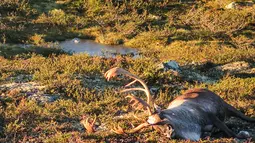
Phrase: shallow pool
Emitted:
{"points": [[95, 49]]}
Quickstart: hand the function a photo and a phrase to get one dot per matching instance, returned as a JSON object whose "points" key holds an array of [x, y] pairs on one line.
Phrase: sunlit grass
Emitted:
{"points": [[185, 32]]}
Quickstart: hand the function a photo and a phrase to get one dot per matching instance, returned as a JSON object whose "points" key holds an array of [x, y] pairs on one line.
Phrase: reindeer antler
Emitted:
{"points": [[120, 131], [90, 127], [139, 103], [135, 101], [117, 71]]}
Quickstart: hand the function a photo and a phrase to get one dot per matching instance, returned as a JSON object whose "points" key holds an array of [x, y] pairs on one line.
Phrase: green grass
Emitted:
{"points": [[60, 120], [185, 32]]}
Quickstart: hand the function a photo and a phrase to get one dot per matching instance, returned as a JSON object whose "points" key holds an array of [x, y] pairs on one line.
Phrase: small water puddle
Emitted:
{"points": [[95, 49]]}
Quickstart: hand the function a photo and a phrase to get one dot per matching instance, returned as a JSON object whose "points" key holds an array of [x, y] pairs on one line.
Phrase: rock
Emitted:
{"points": [[76, 40], [201, 78], [20, 78], [232, 5], [243, 135], [154, 17], [188, 72], [23, 87], [234, 67], [169, 65], [32, 90], [239, 5], [154, 89], [43, 98]]}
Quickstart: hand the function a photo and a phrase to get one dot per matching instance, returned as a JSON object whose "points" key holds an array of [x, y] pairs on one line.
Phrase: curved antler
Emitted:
{"points": [[120, 131], [117, 71], [135, 101], [154, 120], [139, 103], [90, 127]]}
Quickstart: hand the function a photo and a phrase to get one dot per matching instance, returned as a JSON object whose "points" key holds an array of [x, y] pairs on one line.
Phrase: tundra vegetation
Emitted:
{"points": [[205, 38]]}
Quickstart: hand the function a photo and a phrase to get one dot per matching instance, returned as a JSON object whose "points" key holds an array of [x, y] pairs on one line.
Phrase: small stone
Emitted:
{"points": [[43, 98], [232, 5], [23, 87], [154, 89], [243, 135], [239, 5], [154, 17], [234, 67], [76, 40], [169, 65]]}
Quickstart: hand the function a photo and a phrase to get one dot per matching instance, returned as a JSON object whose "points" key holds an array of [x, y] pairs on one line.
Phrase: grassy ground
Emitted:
{"points": [[193, 34]]}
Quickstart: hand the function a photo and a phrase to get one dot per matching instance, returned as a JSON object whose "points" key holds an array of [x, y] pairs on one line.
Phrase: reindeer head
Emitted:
{"points": [[154, 119]]}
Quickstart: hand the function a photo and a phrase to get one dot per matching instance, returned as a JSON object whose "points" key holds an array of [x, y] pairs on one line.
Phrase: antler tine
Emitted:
{"points": [[132, 89], [116, 71], [89, 126], [94, 121], [129, 84], [139, 102], [119, 130], [134, 130], [138, 128]]}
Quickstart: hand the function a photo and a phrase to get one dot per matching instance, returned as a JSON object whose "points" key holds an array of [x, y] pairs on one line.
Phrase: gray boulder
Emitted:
{"points": [[43, 98], [169, 65]]}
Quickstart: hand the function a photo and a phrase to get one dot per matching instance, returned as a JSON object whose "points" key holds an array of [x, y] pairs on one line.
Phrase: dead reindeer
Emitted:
{"points": [[188, 116]]}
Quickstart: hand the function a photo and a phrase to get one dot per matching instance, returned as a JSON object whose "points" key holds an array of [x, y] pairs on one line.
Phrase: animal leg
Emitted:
{"points": [[234, 112], [208, 128], [221, 125]]}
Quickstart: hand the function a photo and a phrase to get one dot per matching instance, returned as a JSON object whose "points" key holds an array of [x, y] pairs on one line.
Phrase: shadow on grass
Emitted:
{"points": [[10, 52], [17, 25]]}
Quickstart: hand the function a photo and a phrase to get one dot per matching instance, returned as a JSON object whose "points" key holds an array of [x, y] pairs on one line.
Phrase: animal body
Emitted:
{"points": [[187, 117]]}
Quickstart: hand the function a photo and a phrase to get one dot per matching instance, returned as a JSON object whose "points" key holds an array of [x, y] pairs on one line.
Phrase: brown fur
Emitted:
{"points": [[197, 109]]}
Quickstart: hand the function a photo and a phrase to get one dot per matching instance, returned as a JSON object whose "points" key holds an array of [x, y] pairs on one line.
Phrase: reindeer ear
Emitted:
{"points": [[157, 108]]}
